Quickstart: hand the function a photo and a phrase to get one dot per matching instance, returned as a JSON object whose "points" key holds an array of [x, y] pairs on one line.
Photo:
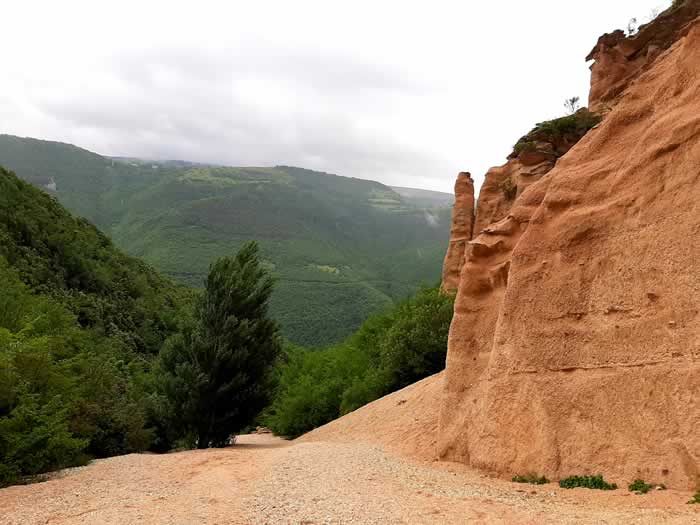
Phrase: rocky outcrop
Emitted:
{"points": [[574, 347], [460, 232], [619, 59], [533, 156]]}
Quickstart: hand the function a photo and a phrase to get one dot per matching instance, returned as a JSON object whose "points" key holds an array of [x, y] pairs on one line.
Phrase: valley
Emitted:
{"points": [[340, 248], [184, 342]]}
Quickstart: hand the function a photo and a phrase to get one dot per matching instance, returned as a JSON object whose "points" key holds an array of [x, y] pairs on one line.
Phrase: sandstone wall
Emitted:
{"points": [[575, 346], [619, 59]]}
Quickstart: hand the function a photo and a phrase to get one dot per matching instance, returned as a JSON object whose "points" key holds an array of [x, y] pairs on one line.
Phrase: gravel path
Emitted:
{"points": [[264, 480], [323, 483], [198, 486]]}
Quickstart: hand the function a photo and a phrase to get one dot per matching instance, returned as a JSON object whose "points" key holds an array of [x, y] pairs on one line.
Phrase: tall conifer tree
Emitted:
{"points": [[217, 373]]}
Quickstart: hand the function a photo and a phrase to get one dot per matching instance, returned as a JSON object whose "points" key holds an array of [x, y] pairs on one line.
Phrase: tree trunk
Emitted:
{"points": [[203, 441]]}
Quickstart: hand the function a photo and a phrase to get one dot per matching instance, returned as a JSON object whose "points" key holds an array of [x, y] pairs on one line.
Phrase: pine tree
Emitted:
{"points": [[217, 372]]}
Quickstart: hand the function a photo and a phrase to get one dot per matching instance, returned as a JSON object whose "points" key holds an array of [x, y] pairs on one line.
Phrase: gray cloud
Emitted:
{"points": [[203, 106], [405, 98]]}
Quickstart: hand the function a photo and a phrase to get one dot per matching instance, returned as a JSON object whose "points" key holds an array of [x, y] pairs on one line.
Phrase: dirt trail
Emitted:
{"points": [[266, 480], [198, 486], [375, 465]]}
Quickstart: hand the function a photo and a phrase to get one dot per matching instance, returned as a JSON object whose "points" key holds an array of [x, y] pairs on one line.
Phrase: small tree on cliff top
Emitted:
{"points": [[217, 372], [571, 105]]}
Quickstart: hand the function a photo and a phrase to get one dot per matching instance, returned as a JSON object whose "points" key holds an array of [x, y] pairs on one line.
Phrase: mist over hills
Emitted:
{"points": [[339, 247]]}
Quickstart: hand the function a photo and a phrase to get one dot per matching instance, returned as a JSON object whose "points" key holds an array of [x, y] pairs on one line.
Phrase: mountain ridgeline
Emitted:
{"points": [[339, 248]]}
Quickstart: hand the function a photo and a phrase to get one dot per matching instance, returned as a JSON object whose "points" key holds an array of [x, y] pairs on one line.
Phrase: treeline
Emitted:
{"points": [[388, 352]]}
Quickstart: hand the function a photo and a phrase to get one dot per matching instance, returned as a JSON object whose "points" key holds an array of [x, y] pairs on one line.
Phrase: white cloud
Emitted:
{"points": [[407, 93]]}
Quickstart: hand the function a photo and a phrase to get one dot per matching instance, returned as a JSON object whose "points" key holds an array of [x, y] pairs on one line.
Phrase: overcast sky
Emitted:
{"points": [[406, 93]]}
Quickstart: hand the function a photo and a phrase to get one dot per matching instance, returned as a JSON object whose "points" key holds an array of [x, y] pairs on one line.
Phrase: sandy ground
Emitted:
{"points": [[198, 486], [266, 480], [375, 465]]}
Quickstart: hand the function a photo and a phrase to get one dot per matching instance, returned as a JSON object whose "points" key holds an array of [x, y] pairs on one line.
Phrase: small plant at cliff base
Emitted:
{"points": [[509, 189], [641, 487], [695, 500], [533, 479], [588, 482], [572, 105]]}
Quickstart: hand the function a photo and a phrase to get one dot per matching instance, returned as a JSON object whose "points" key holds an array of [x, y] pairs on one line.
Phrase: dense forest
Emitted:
{"points": [[80, 327], [340, 248]]}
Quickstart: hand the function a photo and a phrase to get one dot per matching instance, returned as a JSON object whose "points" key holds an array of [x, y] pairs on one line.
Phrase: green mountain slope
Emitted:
{"points": [[80, 326], [69, 259], [425, 198], [341, 248]]}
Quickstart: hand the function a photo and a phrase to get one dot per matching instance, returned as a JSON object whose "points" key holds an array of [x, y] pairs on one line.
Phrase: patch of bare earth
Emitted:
{"points": [[198, 486]]}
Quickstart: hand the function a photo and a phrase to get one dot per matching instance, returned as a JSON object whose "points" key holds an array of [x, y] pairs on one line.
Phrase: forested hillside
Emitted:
{"points": [[101, 355], [80, 326], [340, 248]]}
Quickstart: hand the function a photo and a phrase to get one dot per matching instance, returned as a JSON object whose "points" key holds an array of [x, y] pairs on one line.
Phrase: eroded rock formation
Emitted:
{"points": [[574, 347], [460, 232], [619, 59], [533, 156]]}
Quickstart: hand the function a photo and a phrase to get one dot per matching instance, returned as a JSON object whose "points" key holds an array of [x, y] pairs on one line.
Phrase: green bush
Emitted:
{"points": [[641, 487], [568, 129], [533, 479], [589, 482], [577, 124], [66, 393], [524, 145], [695, 499]]}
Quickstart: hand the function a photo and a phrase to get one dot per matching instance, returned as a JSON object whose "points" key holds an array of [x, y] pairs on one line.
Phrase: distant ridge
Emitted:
{"points": [[341, 248]]}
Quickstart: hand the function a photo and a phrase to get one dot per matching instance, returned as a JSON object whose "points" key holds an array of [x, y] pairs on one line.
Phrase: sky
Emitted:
{"points": [[406, 93]]}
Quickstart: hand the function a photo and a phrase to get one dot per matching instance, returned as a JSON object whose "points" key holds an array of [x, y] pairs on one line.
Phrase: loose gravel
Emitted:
{"points": [[265, 480]]}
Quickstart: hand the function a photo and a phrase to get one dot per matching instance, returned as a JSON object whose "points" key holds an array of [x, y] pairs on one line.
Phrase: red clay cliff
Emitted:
{"points": [[575, 345]]}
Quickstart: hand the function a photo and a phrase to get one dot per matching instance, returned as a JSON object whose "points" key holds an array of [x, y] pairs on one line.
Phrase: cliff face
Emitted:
{"points": [[574, 346], [533, 156], [620, 59], [460, 232]]}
